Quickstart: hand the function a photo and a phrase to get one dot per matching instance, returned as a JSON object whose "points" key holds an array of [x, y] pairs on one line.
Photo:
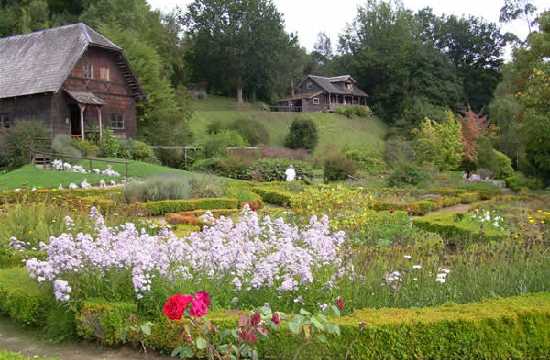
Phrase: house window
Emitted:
{"points": [[105, 73], [349, 86], [315, 101], [88, 71], [309, 85], [4, 121], [117, 121]]}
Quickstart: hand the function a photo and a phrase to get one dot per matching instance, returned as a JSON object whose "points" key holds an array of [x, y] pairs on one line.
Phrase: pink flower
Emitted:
{"points": [[203, 296], [340, 304], [255, 319], [175, 306], [198, 308], [276, 319]]}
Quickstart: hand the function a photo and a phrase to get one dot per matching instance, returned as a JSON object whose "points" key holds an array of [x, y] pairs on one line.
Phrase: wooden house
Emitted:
{"points": [[72, 79], [318, 93]]}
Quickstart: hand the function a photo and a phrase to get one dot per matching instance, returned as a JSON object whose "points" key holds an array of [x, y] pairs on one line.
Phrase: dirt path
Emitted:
{"points": [[460, 209], [29, 343]]}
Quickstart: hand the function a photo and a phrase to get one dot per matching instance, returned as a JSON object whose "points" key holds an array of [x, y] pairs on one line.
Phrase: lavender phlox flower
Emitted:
{"points": [[62, 290]]}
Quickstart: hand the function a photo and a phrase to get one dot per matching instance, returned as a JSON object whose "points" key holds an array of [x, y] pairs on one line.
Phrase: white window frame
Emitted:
{"points": [[316, 101], [122, 120]]}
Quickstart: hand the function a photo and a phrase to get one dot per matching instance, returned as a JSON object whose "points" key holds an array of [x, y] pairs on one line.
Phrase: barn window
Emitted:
{"points": [[315, 101], [117, 121], [88, 71], [4, 121], [105, 73]]}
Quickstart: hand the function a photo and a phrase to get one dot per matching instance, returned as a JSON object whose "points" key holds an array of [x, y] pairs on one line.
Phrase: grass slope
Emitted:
{"points": [[334, 130], [30, 176]]}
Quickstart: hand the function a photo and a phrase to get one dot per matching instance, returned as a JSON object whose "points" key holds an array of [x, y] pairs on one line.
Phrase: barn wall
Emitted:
{"points": [[116, 93], [31, 107]]}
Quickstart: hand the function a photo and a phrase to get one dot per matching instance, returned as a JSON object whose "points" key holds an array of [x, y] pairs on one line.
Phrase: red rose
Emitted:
{"points": [[204, 297], [340, 304], [175, 306], [255, 319], [276, 319], [198, 308], [248, 336]]}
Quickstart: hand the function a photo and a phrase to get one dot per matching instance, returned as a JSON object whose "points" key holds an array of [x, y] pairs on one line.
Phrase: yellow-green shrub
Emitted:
{"points": [[156, 208]]}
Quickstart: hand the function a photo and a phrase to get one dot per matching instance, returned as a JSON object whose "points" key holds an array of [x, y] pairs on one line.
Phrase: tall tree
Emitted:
{"points": [[236, 44], [518, 9]]}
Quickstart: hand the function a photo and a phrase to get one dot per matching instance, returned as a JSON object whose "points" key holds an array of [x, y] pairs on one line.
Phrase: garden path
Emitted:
{"points": [[30, 343]]}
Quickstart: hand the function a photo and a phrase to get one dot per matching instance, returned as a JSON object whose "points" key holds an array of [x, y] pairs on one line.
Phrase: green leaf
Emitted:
{"points": [[335, 310], [295, 326], [304, 312], [183, 352], [146, 328], [322, 338], [201, 343], [317, 324]]}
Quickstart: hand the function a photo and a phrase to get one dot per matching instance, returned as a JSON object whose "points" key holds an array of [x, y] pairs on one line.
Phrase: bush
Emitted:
{"points": [[398, 151], [353, 111], [303, 135], [19, 140], [366, 159], [157, 208], [407, 174], [206, 187], [216, 144], [254, 132], [518, 181], [338, 167], [141, 151], [498, 163], [63, 144], [86, 147], [274, 196], [274, 169], [110, 146], [108, 323], [158, 188]]}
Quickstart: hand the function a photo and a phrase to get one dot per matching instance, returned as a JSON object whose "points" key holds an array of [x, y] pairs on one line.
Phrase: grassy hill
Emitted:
{"points": [[30, 176], [334, 130]]}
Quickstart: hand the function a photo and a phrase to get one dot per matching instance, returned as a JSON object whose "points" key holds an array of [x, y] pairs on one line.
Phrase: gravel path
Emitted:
{"points": [[29, 343]]}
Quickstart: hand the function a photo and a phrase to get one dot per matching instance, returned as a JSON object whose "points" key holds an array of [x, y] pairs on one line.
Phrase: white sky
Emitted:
{"points": [[309, 17]]}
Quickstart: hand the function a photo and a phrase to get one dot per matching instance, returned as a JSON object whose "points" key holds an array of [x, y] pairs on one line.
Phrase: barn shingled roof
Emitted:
{"points": [[41, 61], [335, 85]]}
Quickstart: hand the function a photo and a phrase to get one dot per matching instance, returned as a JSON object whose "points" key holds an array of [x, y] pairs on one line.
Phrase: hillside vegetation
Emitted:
{"points": [[334, 130]]}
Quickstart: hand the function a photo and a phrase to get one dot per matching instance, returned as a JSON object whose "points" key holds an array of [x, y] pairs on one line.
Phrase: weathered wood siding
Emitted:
{"points": [[303, 87], [115, 92], [31, 107]]}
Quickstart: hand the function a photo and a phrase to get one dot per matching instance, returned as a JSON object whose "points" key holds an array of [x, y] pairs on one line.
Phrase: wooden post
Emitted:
{"points": [[82, 109], [100, 122]]}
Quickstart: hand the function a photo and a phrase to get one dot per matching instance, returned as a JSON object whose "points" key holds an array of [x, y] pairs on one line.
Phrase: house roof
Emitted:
{"points": [[337, 85], [41, 61]]}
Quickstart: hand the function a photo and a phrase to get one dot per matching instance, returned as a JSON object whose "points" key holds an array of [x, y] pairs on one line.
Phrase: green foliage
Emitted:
{"points": [[63, 144], [110, 146], [366, 159], [158, 188], [274, 196], [252, 131], [517, 181], [353, 111], [140, 151], [440, 143], [303, 135], [459, 229], [407, 174], [86, 148], [399, 151], [338, 167], [17, 142], [499, 164], [156, 208], [274, 169], [216, 144]]}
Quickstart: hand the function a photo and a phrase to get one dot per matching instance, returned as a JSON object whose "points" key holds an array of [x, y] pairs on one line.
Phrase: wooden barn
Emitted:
{"points": [[318, 93], [71, 78]]}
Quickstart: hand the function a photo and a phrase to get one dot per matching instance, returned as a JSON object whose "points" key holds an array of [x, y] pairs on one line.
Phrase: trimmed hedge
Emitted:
{"points": [[274, 196], [455, 232], [157, 208], [516, 327]]}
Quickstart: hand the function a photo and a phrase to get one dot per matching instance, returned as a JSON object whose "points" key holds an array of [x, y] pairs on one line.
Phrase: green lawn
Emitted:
{"points": [[30, 176], [8, 355], [334, 130]]}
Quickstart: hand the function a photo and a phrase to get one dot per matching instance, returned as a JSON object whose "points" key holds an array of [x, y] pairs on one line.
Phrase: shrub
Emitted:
{"points": [[284, 153], [499, 164], [110, 146], [19, 140], [206, 187], [157, 208], [398, 151], [353, 111], [366, 159], [517, 181], [141, 151], [254, 132], [407, 174], [215, 127], [86, 147], [338, 167], [233, 168], [216, 144], [274, 169], [63, 144], [274, 196], [158, 188], [303, 135]]}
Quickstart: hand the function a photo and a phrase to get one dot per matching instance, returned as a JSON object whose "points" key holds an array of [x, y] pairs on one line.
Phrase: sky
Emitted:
{"points": [[310, 17]]}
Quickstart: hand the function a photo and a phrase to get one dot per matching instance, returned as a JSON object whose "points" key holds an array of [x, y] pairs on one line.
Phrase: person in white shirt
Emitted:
{"points": [[290, 173]]}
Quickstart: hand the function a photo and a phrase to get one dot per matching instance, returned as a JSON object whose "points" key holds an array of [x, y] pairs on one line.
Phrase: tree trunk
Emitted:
{"points": [[240, 93]]}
